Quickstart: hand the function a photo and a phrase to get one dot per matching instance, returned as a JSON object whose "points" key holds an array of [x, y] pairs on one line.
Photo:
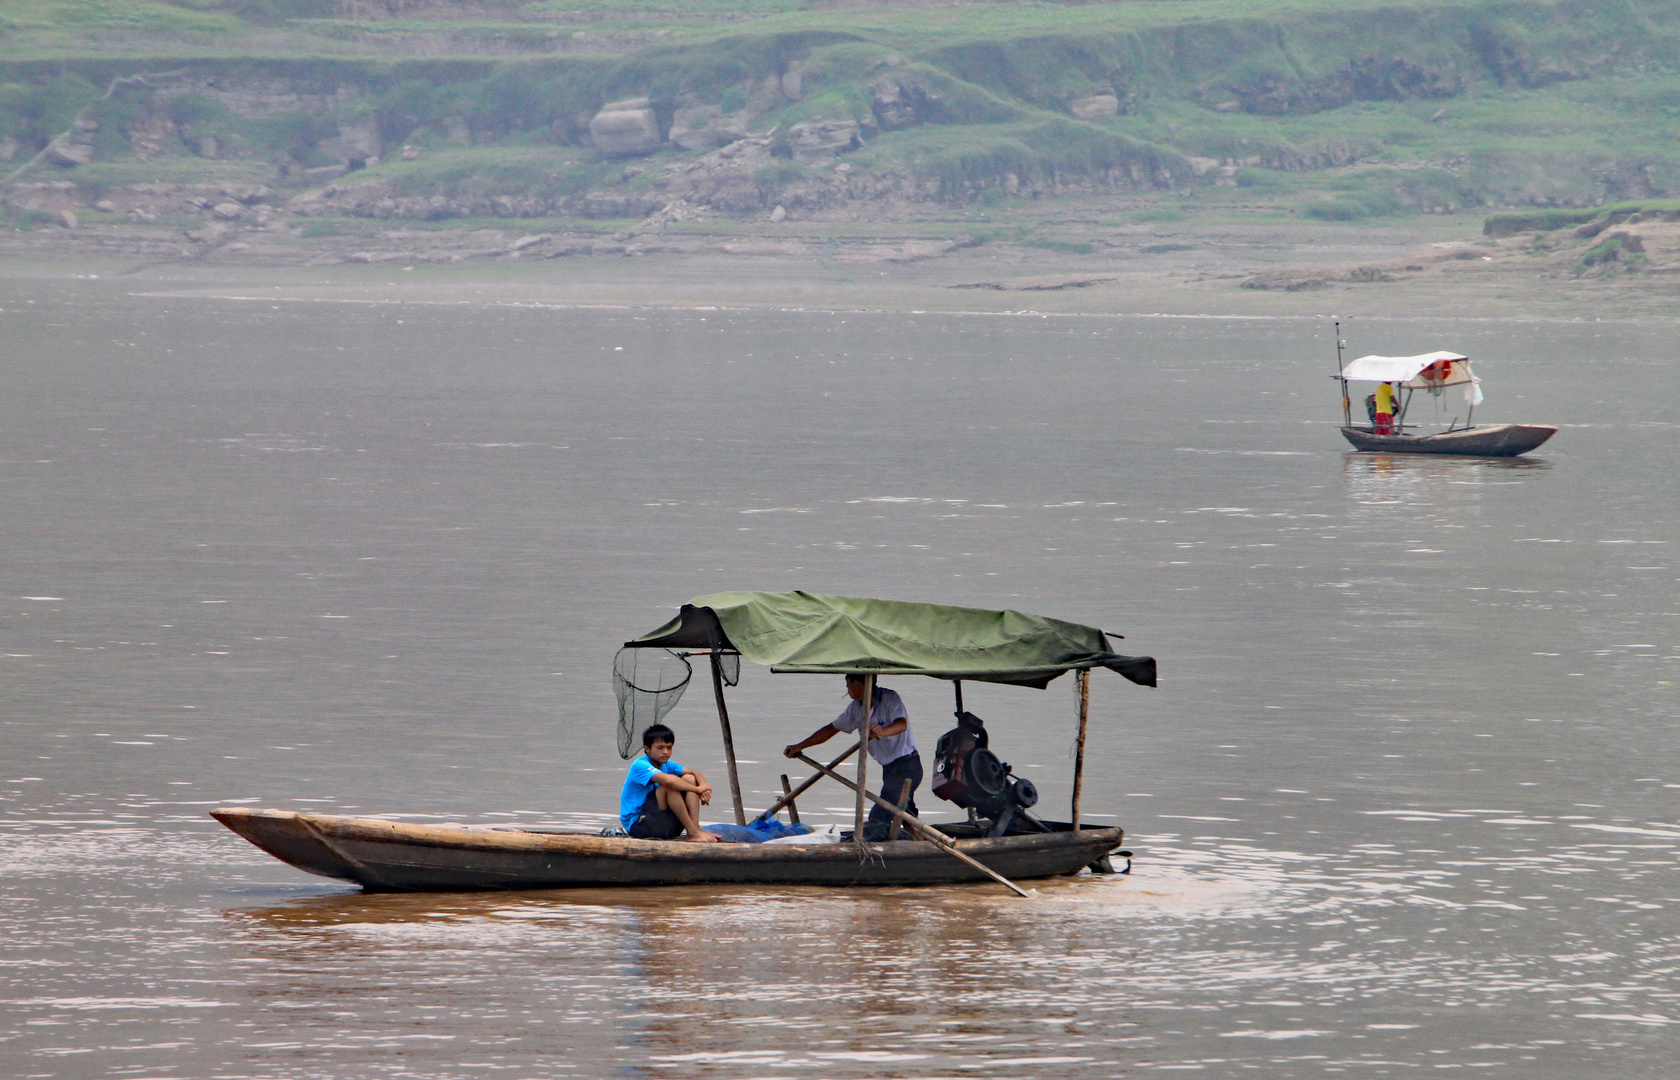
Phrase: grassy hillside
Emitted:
{"points": [[1335, 109]]}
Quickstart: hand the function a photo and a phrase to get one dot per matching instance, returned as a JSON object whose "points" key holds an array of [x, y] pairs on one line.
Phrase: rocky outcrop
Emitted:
{"points": [[1306, 280], [901, 103], [625, 129], [821, 139], [705, 127], [1368, 78], [358, 143]]}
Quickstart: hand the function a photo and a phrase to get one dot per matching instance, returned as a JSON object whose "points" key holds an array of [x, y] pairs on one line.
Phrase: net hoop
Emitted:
{"points": [[648, 683]]}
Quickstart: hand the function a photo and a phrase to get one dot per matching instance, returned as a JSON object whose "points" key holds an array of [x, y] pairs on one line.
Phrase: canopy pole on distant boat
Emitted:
{"points": [[1347, 406], [868, 704], [1084, 677], [728, 739], [957, 685]]}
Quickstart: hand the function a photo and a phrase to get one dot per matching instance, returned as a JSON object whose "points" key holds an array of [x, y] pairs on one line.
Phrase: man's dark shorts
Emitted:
{"points": [[655, 823], [893, 775]]}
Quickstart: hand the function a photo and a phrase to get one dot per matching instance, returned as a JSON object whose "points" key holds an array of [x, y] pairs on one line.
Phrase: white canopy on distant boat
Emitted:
{"points": [[1429, 371], [1456, 366]]}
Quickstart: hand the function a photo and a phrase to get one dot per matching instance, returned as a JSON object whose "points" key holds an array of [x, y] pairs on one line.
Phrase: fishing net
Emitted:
{"points": [[648, 684], [729, 665]]}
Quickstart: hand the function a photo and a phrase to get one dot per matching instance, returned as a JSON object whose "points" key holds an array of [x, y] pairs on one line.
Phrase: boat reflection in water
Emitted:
{"points": [[1393, 489], [1397, 477], [590, 981]]}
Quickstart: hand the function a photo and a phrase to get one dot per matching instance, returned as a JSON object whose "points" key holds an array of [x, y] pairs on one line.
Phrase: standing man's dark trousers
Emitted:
{"points": [[893, 775]]}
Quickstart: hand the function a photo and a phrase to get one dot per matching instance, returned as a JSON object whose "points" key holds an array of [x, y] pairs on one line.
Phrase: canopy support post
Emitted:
{"points": [[1079, 747], [787, 799], [924, 830], [728, 739], [898, 818], [868, 704], [957, 683], [1347, 406]]}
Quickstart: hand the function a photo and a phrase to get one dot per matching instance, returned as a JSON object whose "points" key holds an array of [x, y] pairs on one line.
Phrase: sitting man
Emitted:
{"points": [[890, 743], [661, 799]]}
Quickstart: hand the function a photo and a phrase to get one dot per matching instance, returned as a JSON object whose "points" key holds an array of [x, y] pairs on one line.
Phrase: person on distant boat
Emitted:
{"points": [[890, 743], [661, 799], [1384, 422]]}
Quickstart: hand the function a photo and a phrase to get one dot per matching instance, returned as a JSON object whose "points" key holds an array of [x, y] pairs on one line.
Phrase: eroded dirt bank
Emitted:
{"points": [[1106, 261]]}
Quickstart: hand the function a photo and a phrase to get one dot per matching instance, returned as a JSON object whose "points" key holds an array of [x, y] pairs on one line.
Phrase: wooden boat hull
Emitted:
{"points": [[1494, 440], [391, 856]]}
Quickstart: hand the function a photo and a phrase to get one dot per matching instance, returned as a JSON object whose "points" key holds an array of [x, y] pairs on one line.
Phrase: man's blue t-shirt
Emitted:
{"points": [[639, 785]]}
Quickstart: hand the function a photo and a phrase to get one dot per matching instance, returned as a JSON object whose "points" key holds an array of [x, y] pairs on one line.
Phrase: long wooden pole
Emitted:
{"points": [[868, 704], [788, 798], [728, 740], [1079, 747], [924, 830]]}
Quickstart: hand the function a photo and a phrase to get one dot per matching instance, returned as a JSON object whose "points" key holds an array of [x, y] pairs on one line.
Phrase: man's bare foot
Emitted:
{"points": [[701, 837]]}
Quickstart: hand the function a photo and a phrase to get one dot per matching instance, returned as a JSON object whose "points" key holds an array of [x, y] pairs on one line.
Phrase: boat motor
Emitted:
{"points": [[966, 772]]}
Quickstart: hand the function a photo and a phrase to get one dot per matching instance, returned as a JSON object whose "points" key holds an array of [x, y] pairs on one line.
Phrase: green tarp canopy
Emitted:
{"points": [[816, 634]]}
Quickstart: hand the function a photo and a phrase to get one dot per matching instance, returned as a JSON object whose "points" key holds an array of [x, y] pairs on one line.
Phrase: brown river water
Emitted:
{"points": [[1407, 798]]}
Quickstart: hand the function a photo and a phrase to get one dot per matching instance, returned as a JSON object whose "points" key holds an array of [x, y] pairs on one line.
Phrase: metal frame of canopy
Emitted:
{"points": [[698, 629], [1453, 369]]}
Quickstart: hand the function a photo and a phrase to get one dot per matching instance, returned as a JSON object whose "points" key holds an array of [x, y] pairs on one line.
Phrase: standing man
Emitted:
{"points": [[1385, 410], [890, 744]]}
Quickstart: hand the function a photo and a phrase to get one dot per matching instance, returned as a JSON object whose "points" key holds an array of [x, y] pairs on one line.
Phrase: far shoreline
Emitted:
{"points": [[1428, 268]]}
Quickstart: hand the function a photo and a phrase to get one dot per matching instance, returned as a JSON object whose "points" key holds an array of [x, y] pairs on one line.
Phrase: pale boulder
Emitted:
{"points": [[625, 128], [67, 152], [1095, 107]]}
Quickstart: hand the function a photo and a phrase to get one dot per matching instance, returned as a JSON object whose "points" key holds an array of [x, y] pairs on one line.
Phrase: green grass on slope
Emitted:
{"points": [[1342, 109], [144, 15]]}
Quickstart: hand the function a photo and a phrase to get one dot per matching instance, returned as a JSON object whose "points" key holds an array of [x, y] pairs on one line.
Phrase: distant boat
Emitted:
{"points": [[1433, 373]]}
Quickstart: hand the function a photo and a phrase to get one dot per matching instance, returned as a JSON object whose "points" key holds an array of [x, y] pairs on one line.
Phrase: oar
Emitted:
{"points": [[928, 832], [804, 784]]}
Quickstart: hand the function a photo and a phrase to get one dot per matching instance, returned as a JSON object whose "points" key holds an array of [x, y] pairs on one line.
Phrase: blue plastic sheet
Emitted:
{"points": [[760, 830]]}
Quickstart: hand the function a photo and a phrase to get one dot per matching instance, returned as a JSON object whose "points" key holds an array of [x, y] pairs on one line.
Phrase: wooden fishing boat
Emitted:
{"points": [[1490, 440], [1398, 378], [789, 632], [391, 856]]}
